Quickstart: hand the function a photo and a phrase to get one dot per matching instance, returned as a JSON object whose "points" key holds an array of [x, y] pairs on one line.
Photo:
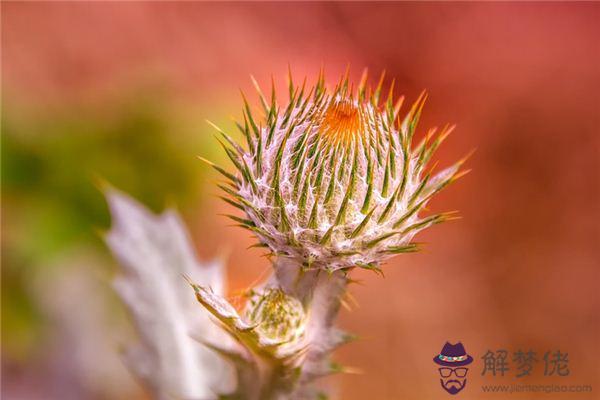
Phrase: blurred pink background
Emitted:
{"points": [[521, 81]]}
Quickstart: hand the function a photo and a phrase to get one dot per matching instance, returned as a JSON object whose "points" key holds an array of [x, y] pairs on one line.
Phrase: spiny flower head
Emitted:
{"points": [[332, 179]]}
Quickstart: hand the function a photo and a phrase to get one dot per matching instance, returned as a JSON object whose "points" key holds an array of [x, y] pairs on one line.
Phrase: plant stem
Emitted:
{"points": [[320, 293]]}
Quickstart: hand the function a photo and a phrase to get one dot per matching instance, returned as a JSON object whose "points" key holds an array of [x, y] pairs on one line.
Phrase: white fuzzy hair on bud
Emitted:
{"points": [[334, 181]]}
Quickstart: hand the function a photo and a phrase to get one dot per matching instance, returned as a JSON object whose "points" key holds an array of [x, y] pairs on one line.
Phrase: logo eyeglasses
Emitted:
{"points": [[447, 372]]}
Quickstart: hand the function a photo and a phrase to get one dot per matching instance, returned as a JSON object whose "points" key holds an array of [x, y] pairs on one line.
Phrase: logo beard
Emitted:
{"points": [[453, 386]]}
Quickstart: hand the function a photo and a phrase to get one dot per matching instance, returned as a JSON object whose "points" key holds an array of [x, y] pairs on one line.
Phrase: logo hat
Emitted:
{"points": [[453, 355]]}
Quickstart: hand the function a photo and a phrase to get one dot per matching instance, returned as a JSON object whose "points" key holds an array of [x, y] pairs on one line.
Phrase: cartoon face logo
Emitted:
{"points": [[452, 360]]}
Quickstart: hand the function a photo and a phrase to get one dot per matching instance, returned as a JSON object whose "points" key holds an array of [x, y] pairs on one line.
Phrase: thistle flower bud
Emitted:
{"points": [[332, 180], [276, 315]]}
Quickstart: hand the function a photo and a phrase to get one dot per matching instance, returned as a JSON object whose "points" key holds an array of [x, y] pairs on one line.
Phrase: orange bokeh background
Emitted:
{"points": [[522, 83]]}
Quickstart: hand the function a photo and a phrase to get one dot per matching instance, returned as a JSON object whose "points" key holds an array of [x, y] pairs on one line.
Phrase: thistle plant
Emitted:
{"points": [[327, 182]]}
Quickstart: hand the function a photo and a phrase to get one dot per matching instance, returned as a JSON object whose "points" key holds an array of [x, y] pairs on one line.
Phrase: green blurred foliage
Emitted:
{"points": [[51, 167]]}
